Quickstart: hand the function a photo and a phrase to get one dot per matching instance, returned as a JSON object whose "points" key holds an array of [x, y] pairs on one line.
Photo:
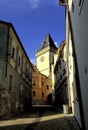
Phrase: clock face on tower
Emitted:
{"points": [[42, 58]]}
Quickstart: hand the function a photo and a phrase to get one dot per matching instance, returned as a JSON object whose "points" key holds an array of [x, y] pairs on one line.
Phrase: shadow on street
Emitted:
{"points": [[40, 118]]}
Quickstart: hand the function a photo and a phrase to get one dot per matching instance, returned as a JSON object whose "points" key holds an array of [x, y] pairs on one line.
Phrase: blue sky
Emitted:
{"points": [[33, 20]]}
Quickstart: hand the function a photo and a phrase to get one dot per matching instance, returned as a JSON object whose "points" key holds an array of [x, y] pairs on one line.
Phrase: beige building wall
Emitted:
{"points": [[43, 62]]}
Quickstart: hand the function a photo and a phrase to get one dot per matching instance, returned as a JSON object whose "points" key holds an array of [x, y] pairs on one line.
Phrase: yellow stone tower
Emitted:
{"points": [[45, 58]]}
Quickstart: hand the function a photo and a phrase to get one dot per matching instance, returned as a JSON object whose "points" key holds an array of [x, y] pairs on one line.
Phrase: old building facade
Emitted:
{"points": [[15, 72], [61, 76], [40, 88]]}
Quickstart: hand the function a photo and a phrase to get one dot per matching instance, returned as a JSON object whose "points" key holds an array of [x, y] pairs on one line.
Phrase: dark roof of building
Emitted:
{"points": [[48, 41], [11, 25]]}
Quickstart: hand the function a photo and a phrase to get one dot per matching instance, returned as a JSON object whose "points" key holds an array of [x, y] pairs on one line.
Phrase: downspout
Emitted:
{"points": [[78, 87], [7, 43]]}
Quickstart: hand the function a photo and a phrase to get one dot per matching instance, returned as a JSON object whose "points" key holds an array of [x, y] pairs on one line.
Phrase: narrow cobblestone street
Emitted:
{"points": [[40, 118]]}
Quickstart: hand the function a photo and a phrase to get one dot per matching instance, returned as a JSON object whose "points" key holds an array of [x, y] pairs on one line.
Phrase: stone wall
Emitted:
{"points": [[7, 101]]}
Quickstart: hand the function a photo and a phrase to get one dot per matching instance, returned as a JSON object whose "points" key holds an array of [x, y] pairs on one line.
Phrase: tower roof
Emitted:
{"points": [[47, 42]]}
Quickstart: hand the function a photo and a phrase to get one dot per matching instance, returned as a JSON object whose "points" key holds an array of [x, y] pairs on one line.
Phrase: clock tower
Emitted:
{"points": [[45, 62], [45, 56]]}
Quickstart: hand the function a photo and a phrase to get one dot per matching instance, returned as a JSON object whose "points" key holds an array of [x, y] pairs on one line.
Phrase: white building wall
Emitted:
{"points": [[74, 103], [79, 20]]}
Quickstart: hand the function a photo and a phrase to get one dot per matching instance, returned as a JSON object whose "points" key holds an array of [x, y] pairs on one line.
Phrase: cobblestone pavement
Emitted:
{"points": [[40, 119]]}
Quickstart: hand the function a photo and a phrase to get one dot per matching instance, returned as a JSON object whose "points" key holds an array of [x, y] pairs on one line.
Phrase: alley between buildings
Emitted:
{"points": [[40, 118]]}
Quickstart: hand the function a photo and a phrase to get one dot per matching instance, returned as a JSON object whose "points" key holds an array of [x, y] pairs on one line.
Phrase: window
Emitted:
{"points": [[51, 59], [42, 94], [72, 7], [81, 2], [33, 82], [13, 53], [34, 93], [19, 61], [47, 86], [30, 74], [42, 83], [10, 82], [24, 67]]}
